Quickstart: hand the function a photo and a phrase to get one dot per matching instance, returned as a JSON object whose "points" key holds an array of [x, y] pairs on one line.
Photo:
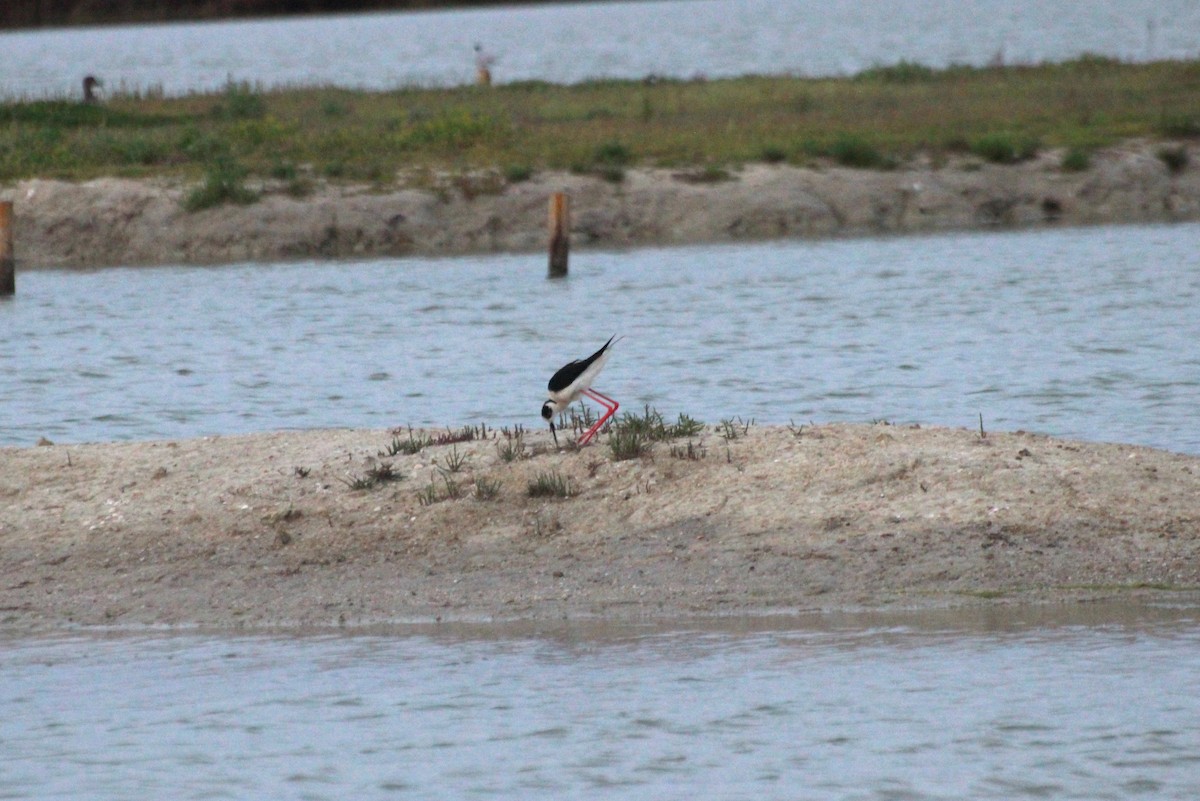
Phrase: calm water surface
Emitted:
{"points": [[929, 710], [1087, 333], [576, 42]]}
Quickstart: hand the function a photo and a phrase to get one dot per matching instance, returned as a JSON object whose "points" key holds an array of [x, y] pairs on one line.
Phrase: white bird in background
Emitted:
{"points": [[574, 380], [483, 59], [483, 65]]}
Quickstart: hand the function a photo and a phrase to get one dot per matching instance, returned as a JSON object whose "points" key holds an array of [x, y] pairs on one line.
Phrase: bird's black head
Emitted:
{"points": [[548, 409]]}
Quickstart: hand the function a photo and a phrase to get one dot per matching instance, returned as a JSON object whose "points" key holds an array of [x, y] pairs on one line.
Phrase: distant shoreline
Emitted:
{"points": [[82, 13], [114, 222]]}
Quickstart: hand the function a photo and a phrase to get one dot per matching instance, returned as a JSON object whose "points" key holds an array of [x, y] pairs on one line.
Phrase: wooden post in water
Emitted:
{"points": [[8, 265], [560, 234]]}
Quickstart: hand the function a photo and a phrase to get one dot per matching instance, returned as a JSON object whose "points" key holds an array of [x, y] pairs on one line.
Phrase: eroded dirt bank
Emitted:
{"points": [[122, 222]]}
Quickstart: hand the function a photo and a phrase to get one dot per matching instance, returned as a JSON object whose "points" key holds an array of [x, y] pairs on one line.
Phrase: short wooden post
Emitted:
{"points": [[560, 234], [483, 76], [8, 266]]}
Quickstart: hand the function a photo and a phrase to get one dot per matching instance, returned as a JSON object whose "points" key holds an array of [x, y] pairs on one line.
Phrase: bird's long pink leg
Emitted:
{"points": [[610, 406]]}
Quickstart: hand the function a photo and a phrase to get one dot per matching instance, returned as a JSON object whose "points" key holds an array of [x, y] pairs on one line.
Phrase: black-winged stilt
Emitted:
{"points": [[573, 380]]}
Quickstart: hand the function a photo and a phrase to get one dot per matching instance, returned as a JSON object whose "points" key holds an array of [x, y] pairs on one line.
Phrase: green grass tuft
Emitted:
{"points": [[511, 449], [487, 489], [240, 102], [224, 182], [550, 485], [1076, 159], [851, 150], [734, 428], [626, 443], [414, 444], [1180, 126], [1005, 148], [651, 426], [382, 473], [690, 452], [518, 173], [453, 462], [773, 154], [903, 72]]}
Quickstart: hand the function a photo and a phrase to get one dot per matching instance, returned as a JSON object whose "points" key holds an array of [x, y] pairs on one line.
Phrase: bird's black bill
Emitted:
{"points": [[553, 434]]}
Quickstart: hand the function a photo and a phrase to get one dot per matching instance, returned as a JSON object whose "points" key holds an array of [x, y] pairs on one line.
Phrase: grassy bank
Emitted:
{"points": [[490, 136]]}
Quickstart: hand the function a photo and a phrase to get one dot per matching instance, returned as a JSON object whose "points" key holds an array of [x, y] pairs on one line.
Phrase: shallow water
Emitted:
{"points": [[922, 708], [1086, 333], [576, 42]]}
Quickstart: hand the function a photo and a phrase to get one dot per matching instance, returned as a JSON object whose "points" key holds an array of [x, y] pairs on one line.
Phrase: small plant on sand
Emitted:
{"points": [[613, 152], [684, 427], [733, 428], [691, 452], [429, 496], [223, 183], [646, 424], [609, 161], [1179, 126], [381, 473], [1076, 159], [452, 462], [359, 483], [511, 450], [577, 420], [395, 448], [772, 154], [1005, 148], [518, 173], [475, 184], [550, 485], [851, 150], [415, 443], [797, 430], [653, 428], [627, 443], [467, 433], [486, 489], [299, 187], [708, 174]]}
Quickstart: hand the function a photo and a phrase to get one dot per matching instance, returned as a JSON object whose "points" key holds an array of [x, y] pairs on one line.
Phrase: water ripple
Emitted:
{"points": [[816, 334]]}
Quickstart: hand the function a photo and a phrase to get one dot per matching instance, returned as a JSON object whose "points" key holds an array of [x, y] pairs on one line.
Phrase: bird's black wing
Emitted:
{"points": [[569, 372]]}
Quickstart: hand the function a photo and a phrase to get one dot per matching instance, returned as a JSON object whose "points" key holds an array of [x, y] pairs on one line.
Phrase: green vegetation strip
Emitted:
{"points": [[878, 119]]}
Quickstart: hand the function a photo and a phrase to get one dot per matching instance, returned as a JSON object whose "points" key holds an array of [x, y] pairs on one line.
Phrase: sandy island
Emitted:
{"points": [[125, 222], [265, 530]]}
